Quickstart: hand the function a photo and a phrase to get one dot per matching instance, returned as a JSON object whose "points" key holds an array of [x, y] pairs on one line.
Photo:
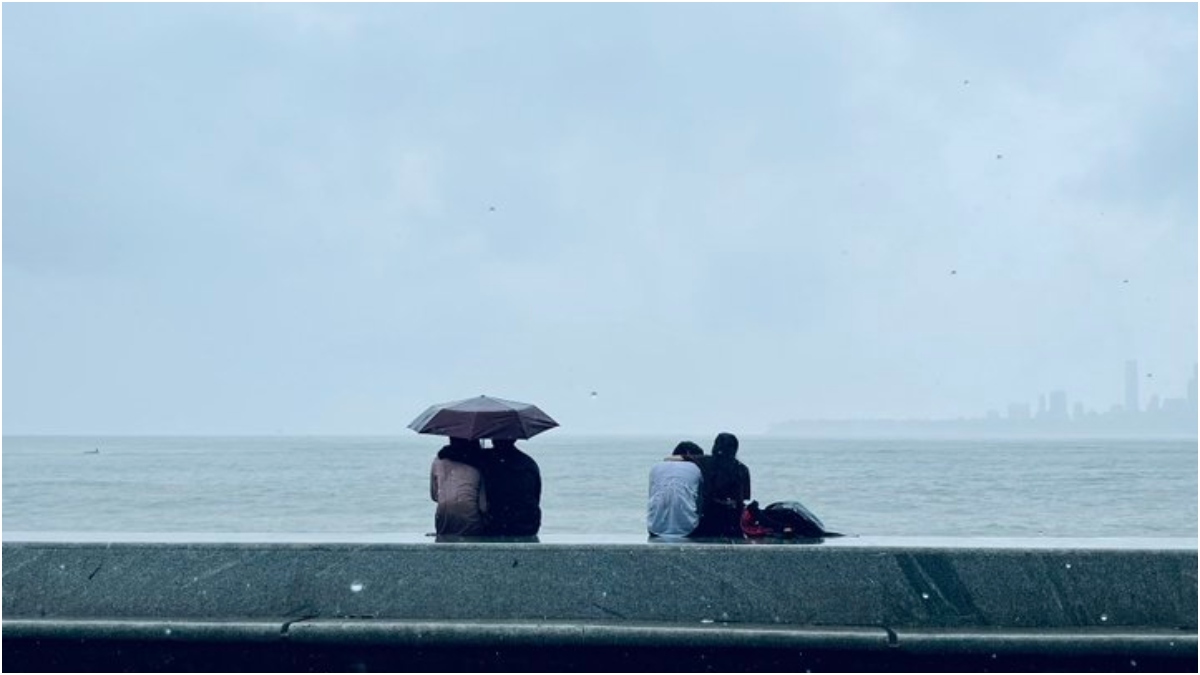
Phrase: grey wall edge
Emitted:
{"points": [[1129, 603], [567, 634]]}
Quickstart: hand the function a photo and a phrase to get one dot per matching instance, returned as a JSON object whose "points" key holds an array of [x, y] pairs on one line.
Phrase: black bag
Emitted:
{"points": [[784, 520]]}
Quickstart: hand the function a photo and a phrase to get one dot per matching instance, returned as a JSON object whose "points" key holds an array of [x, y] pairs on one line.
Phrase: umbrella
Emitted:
{"points": [[483, 417]]}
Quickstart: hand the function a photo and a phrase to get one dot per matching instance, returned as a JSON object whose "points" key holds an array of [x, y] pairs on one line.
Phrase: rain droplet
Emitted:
{"points": [[355, 587], [706, 620], [924, 596], [1068, 565], [724, 616], [993, 656], [62, 567], [1104, 617], [604, 594], [167, 631], [1133, 663]]}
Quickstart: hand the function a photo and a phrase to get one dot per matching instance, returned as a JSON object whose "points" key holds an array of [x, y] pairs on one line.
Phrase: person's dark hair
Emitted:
{"points": [[504, 443], [687, 449], [725, 445], [463, 450]]}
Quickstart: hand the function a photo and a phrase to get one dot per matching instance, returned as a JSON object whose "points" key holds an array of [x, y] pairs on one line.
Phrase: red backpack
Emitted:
{"points": [[784, 520]]}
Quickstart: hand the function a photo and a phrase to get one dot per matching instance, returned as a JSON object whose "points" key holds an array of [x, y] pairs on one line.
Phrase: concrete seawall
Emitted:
{"points": [[623, 605]]}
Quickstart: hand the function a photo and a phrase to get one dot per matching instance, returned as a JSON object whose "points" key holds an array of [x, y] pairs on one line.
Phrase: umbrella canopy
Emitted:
{"points": [[483, 417]]}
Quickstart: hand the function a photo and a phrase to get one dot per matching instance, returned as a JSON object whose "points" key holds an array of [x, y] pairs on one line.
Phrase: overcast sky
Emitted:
{"points": [[279, 218]]}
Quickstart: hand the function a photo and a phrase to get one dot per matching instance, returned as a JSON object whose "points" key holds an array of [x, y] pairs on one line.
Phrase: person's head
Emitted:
{"points": [[725, 445], [687, 449], [504, 444]]}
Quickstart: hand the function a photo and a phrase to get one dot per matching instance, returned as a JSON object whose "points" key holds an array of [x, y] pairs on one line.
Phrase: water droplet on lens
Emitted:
{"points": [[356, 587], [924, 596], [1104, 617], [167, 631], [1068, 565], [1133, 663]]}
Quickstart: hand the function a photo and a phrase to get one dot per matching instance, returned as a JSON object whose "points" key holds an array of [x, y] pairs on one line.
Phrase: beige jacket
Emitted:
{"points": [[461, 502]]}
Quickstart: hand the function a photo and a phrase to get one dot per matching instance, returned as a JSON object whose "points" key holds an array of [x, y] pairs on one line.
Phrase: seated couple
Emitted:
{"points": [[480, 492], [698, 495]]}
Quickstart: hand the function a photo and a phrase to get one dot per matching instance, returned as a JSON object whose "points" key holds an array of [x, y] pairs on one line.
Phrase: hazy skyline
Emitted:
{"points": [[300, 219]]}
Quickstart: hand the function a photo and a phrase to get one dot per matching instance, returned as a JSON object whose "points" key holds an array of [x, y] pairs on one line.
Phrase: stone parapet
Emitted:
{"points": [[872, 604]]}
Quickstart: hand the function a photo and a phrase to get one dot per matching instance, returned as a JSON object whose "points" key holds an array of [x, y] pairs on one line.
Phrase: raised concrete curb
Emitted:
{"points": [[886, 600]]}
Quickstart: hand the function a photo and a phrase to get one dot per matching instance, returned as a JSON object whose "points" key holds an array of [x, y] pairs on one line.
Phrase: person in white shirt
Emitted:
{"points": [[675, 484]]}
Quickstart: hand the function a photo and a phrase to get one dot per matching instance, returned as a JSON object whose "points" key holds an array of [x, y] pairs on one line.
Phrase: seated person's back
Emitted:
{"points": [[455, 484], [673, 509], [514, 491], [726, 489]]}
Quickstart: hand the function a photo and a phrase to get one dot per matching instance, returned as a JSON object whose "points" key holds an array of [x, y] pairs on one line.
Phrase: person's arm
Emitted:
{"points": [[746, 485], [433, 482]]}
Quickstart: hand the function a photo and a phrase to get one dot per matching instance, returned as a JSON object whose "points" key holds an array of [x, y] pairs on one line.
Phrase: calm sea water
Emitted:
{"points": [[1052, 488]]}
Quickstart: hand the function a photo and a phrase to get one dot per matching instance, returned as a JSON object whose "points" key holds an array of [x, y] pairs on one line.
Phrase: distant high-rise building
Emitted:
{"points": [[1058, 405], [1041, 412], [1153, 404], [1077, 411], [1131, 387], [1018, 411], [1192, 389]]}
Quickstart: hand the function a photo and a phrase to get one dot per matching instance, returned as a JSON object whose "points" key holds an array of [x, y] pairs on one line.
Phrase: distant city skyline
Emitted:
{"points": [[1055, 412], [1056, 406]]}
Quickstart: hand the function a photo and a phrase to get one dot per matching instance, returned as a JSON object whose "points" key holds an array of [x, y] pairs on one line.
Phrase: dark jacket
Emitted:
{"points": [[514, 493], [726, 489]]}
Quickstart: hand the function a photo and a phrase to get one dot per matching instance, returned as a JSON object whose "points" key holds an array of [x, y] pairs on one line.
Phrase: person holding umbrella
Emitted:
{"points": [[510, 499], [514, 491], [456, 484]]}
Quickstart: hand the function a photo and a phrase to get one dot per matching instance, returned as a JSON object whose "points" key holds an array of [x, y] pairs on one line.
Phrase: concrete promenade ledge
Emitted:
{"points": [[75, 601]]}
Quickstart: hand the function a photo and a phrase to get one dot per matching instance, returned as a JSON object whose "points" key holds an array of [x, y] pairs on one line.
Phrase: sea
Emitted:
{"points": [[597, 485]]}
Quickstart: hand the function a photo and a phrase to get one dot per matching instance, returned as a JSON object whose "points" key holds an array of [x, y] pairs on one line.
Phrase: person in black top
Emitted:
{"points": [[726, 489], [514, 491]]}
